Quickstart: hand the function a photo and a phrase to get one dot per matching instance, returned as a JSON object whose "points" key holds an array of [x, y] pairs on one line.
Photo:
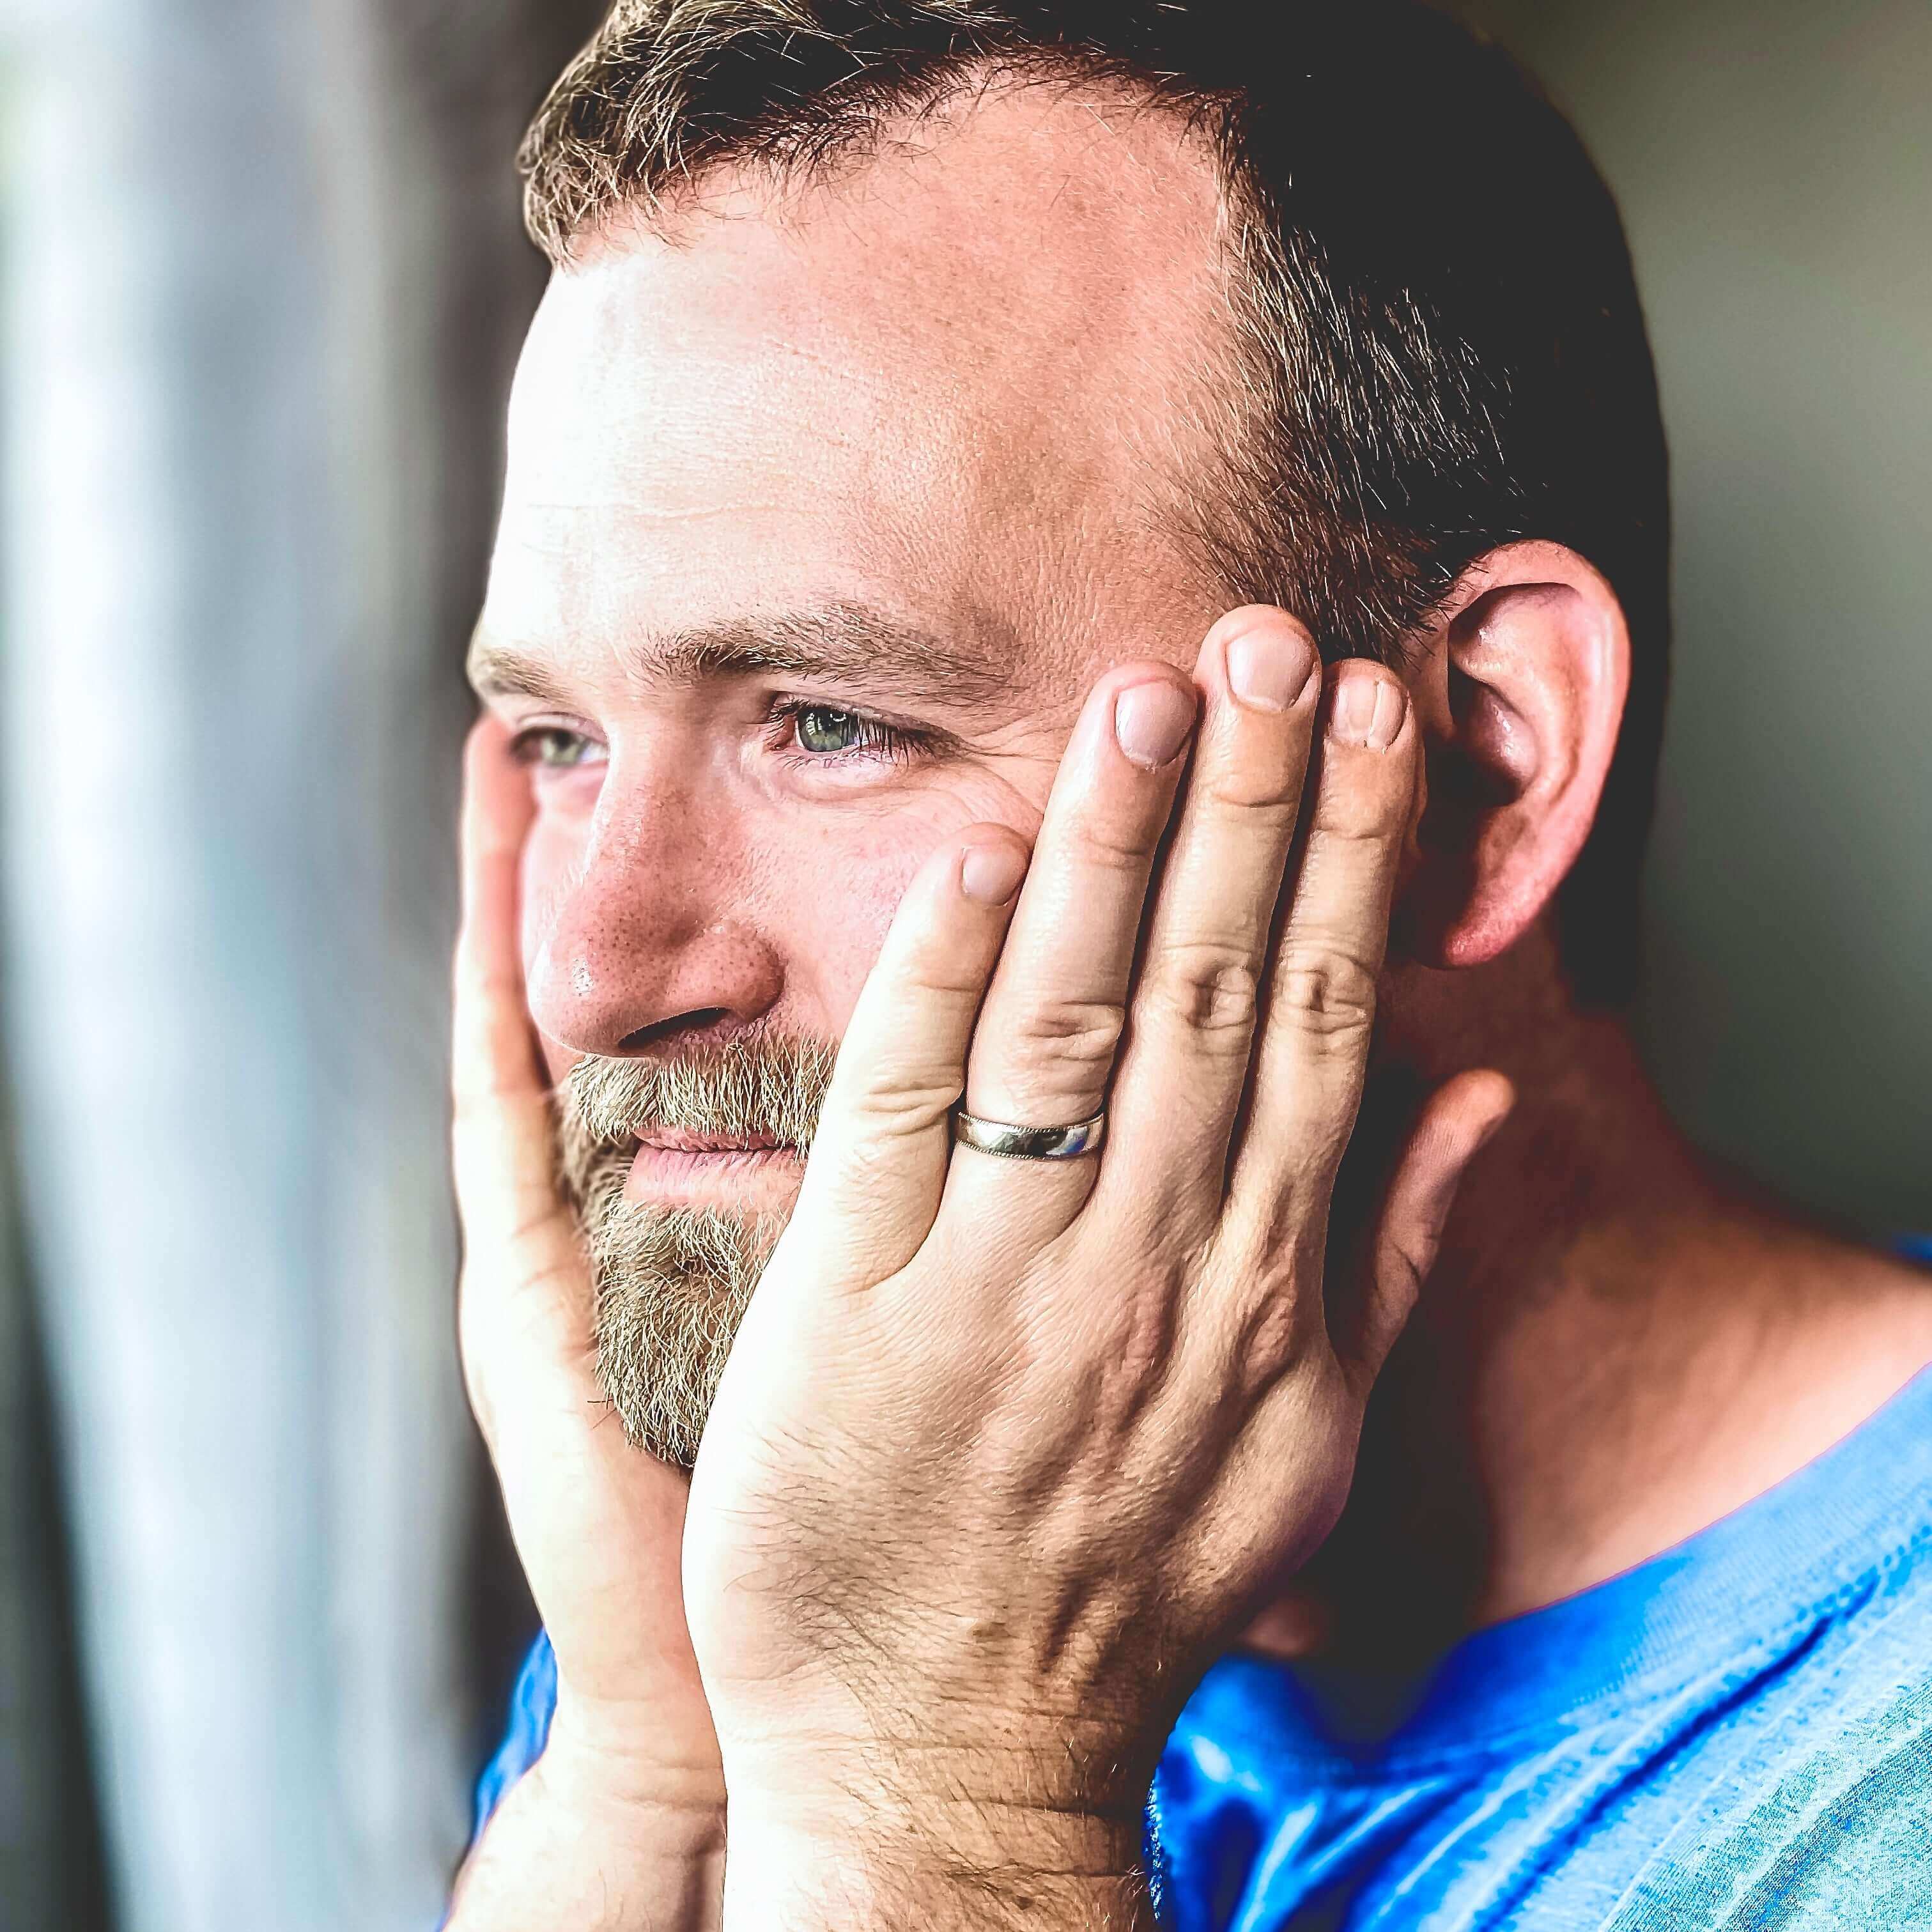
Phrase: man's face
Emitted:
{"points": [[821, 516]]}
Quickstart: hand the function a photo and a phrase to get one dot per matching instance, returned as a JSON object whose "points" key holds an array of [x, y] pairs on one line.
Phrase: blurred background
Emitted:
{"points": [[262, 282]]}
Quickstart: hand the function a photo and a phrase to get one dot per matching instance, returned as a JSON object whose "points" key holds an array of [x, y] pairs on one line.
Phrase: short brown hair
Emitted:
{"points": [[1440, 318]]}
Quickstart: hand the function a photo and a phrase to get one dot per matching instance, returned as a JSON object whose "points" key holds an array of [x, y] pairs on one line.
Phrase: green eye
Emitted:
{"points": [[831, 736], [820, 729], [552, 748]]}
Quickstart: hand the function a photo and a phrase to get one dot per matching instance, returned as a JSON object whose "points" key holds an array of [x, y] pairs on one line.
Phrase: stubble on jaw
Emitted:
{"points": [[672, 1284]]}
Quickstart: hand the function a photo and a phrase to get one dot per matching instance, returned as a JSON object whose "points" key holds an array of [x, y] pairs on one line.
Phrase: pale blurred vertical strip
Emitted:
{"points": [[263, 284]]}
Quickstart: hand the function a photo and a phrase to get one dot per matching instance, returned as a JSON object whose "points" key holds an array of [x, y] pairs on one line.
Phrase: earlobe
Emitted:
{"points": [[1528, 669]]}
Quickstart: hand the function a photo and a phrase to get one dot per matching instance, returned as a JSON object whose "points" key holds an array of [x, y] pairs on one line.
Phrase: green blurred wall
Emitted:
{"points": [[1773, 158]]}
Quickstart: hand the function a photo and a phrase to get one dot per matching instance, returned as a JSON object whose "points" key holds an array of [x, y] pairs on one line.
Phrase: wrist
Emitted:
{"points": [[942, 1859], [894, 1759], [627, 1799], [563, 1852]]}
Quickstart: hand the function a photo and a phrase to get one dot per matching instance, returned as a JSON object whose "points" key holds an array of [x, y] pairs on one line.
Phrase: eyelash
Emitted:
{"points": [[897, 743]]}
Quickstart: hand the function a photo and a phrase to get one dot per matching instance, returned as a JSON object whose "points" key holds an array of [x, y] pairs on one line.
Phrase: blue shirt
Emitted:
{"points": [[1737, 1734]]}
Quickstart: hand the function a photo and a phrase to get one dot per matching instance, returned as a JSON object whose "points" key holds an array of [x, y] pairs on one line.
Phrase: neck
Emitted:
{"points": [[1620, 1345]]}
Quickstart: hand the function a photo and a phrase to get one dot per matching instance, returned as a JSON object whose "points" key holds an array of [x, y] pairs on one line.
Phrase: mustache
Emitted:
{"points": [[771, 1089]]}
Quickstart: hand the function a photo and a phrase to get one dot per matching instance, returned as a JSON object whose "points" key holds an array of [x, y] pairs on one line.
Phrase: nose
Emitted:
{"points": [[641, 934]]}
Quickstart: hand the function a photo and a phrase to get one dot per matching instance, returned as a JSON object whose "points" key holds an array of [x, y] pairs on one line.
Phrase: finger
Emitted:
{"points": [[504, 1170], [878, 1162], [571, 1482], [1321, 1001], [525, 1316], [1044, 1049], [1185, 1067], [1458, 1122]]}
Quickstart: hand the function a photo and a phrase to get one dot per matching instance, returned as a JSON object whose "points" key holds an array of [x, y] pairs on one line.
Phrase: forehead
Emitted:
{"points": [[971, 379]]}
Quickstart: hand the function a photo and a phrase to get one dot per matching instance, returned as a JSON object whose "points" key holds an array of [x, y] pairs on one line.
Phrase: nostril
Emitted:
{"points": [[683, 1028]]}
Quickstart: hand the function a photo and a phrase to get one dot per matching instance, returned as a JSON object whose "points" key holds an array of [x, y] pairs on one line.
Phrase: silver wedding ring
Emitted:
{"points": [[1011, 1143]]}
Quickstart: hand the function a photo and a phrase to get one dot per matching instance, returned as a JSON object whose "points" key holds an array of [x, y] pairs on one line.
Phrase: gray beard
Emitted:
{"points": [[673, 1284]]}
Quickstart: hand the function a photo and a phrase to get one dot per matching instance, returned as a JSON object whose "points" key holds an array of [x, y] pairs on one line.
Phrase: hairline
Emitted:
{"points": [[1239, 384], [659, 201]]}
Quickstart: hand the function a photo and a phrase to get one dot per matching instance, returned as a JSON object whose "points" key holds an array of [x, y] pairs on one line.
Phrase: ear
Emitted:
{"points": [[1520, 696]]}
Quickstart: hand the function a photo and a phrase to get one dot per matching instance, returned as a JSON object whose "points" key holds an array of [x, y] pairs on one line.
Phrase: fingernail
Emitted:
{"points": [[992, 874], [1151, 722], [1495, 1125], [1268, 669], [1367, 710]]}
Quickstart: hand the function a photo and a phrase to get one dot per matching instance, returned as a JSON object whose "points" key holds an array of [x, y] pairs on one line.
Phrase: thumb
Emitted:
{"points": [[1460, 1120], [878, 1162], [524, 1315]]}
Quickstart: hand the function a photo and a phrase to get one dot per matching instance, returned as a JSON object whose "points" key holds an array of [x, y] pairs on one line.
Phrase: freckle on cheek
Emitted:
{"points": [[845, 927]]}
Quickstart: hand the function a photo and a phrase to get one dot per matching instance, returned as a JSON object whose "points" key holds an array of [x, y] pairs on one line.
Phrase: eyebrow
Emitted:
{"points": [[849, 645]]}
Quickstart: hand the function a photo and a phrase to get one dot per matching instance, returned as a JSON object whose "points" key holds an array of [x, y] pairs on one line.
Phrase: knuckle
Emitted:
{"points": [[1274, 1340], [941, 970], [1141, 1359], [1268, 798], [867, 1166], [1326, 993], [1059, 1055], [1212, 987], [1273, 1324], [1370, 810], [903, 1110], [1076, 1033], [1404, 1269], [1353, 845], [1111, 845]]}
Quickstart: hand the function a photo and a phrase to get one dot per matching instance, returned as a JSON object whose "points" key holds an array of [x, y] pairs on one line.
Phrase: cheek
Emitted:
{"points": [[553, 858], [835, 904]]}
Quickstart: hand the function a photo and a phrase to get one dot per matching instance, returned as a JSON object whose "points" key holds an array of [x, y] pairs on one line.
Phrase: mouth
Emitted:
{"points": [[675, 1167]]}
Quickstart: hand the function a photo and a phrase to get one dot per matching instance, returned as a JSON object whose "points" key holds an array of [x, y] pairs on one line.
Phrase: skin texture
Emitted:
{"points": [[771, 419], [956, 395]]}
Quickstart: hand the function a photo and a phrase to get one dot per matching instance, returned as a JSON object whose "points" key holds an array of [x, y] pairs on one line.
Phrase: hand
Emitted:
{"points": [[629, 1789], [1007, 1452]]}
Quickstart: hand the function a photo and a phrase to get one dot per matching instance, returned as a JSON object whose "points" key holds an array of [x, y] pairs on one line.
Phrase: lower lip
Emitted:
{"points": [[735, 1178]]}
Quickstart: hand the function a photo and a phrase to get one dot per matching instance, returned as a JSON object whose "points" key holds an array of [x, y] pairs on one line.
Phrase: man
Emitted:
{"points": [[921, 382]]}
